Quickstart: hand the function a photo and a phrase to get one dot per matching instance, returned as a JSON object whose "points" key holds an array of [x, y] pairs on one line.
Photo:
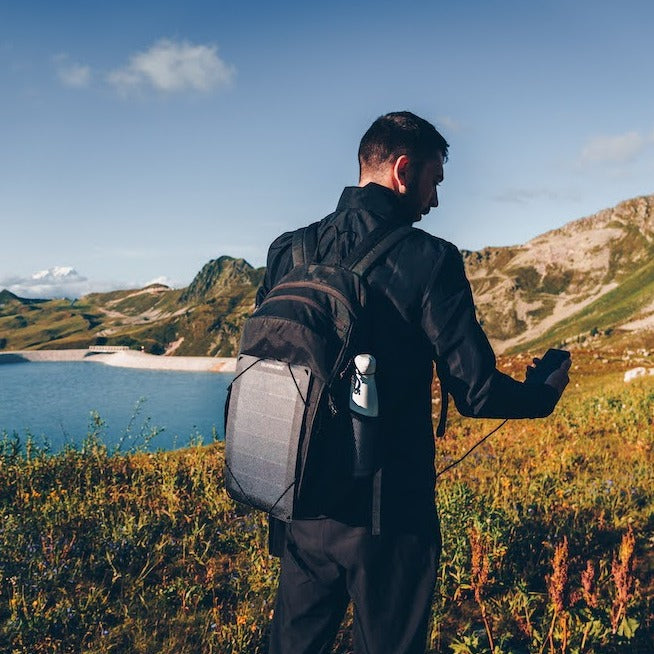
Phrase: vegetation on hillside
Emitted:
{"points": [[547, 529], [556, 275], [606, 313]]}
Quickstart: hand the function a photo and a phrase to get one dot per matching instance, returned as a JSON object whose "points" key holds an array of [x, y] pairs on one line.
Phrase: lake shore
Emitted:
{"points": [[124, 359]]}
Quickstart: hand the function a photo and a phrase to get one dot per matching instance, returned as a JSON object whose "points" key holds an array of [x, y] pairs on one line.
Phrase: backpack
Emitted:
{"points": [[288, 427]]}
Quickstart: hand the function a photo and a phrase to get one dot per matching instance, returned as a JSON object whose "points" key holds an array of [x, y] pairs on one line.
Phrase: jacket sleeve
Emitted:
{"points": [[465, 360]]}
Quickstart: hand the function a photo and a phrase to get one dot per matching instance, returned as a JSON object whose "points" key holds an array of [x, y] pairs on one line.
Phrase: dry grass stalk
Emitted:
{"points": [[557, 586], [558, 582], [479, 577], [622, 569], [588, 585]]}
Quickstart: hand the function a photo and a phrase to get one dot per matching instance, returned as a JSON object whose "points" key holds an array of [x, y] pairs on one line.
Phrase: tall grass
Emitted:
{"points": [[561, 511], [547, 534]]}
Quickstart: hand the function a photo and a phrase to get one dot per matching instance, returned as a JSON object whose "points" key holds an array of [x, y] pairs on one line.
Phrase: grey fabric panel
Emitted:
{"points": [[266, 410]]}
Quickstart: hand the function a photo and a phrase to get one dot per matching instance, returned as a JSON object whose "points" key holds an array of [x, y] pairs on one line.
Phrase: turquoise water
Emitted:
{"points": [[54, 402]]}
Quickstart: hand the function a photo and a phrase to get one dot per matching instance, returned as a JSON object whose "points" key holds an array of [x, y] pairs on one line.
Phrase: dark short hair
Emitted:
{"points": [[398, 133]]}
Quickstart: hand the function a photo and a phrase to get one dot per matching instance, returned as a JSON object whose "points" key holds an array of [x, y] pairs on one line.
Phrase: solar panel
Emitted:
{"points": [[262, 436]]}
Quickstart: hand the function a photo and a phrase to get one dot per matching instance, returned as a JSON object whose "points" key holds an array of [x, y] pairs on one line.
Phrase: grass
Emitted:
{"points": [[144, 552]]}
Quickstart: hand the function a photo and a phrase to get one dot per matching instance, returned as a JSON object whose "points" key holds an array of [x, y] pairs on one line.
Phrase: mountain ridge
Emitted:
{"points": [[523, 291], [591, 277]]}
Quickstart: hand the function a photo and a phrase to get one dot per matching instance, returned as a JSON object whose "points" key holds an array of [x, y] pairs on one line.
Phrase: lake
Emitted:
{"points": [[55, 400]]}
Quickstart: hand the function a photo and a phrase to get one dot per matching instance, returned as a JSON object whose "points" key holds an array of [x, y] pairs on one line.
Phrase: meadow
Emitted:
{"points": [[547, 529]]}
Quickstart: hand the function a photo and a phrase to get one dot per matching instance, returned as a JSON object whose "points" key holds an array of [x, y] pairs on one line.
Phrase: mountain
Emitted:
{"points": [[203, 319], [592, 279], [220, 277], [7, 296], [591, 275]]}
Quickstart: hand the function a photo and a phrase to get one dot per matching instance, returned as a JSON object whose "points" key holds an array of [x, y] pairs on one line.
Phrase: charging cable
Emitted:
{"points": [[474, 447]]}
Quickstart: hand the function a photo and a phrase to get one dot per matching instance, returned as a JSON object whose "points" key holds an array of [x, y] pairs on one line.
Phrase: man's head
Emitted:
{"points": [[404, 153]]}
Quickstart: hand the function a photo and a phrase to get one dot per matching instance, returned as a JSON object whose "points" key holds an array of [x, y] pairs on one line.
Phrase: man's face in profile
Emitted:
{"points": [[422, 193]]}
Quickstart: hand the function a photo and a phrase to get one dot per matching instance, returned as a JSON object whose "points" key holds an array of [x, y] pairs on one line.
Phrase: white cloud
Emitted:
{"points": [[71, 73], [66, 282], [171, 67], [618, 149], [60, 281]]}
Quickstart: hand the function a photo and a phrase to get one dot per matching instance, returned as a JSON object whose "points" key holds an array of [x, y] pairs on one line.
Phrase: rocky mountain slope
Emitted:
{"points": [[594, 274], [593, 277]]}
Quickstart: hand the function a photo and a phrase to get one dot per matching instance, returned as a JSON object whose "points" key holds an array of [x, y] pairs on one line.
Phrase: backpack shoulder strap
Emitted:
{"points": [[305, 242], [369, 251]]}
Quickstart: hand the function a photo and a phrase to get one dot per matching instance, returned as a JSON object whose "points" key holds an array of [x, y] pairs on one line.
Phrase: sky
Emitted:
{"points": [[139, 140]]}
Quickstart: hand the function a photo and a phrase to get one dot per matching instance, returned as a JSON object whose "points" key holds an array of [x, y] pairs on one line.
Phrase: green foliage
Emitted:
{"points": [[555, 282], [586, 475], [127, 551], [526, 277]]}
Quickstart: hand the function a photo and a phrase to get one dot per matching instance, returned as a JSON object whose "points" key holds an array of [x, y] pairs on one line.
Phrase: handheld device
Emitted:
{"points": [[552, 359]]}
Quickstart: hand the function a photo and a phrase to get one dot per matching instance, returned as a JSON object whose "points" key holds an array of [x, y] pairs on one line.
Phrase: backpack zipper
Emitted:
{"points": [[305, 300], [325, 288]]}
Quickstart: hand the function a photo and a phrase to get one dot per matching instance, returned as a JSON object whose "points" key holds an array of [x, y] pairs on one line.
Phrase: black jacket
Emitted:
{"points": [[423, 312]]}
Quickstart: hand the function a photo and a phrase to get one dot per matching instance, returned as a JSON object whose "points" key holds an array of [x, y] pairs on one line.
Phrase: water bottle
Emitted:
{"points": [[364, 408]]}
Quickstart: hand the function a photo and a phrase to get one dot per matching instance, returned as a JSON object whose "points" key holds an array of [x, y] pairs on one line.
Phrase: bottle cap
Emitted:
{"points": [[365, 364]]}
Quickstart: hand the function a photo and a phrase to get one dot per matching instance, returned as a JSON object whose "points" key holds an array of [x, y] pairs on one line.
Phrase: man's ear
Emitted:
{"points": [[401, 174]]}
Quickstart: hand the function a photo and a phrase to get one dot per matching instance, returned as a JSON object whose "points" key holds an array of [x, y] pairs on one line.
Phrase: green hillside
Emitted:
{"points": [[605, 314]]}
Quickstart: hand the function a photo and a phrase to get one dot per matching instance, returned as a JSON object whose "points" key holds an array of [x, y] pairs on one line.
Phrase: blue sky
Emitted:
{"points": [[141, 139]]}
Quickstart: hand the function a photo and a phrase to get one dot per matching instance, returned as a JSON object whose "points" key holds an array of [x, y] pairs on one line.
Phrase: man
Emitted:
{"points": [[422, 312]]}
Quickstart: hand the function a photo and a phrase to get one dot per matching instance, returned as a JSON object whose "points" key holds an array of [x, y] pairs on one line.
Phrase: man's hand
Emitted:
{"points": [[559, 379]]}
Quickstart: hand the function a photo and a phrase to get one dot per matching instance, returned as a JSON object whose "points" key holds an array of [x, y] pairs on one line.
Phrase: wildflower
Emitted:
{"points": [[588, 586], [479, 577], [557, 588], [622, 569], [241, 619], [480, 564], [559, 579]]}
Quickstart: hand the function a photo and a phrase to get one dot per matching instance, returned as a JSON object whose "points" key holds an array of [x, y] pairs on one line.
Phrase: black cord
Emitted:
{"points": [[475, 446], [288, 488], [249, 500], [299, 392], [254, 363], [245, 495]]}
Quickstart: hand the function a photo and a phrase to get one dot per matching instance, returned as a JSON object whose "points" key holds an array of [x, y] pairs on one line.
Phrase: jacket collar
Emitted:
{"points": [[375, 199]]}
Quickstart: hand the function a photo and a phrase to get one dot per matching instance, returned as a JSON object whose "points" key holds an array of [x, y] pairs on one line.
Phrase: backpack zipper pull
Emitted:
{"points": [[346, 369], [332, 405]]}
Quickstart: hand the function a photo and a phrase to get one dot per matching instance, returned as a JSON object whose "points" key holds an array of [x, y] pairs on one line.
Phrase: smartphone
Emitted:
{"points": [[548, 364]]}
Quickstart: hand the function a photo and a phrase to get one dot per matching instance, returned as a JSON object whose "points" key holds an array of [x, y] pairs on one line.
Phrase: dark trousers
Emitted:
{"points": [[390, 579]]}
